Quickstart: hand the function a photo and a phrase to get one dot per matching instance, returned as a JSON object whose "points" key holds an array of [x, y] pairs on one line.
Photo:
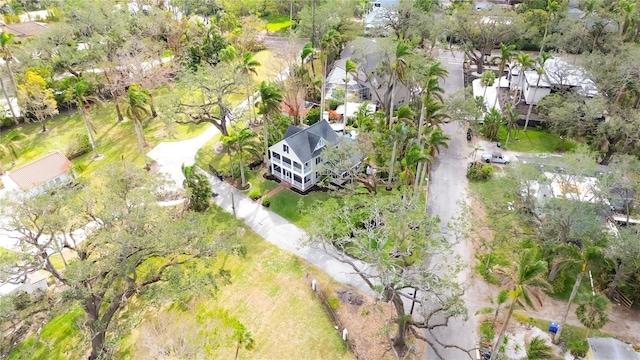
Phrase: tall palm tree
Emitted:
{"points": [[487, 79], [80, 95], [434, 141], [7, 150], [412, 158], [330, 43], [552, 9], [526, 62], [583, 255], [399, 67], [268, 106], [398, 135], [243, 142], [247, 67], [510, 115], [350, 68], [506, 55], [540, 61], [137, 111], [592, 312], [527, 275], [6, 39]]}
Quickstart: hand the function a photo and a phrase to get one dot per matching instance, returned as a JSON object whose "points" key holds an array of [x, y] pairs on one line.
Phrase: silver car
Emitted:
{"points": [[495, 157]]}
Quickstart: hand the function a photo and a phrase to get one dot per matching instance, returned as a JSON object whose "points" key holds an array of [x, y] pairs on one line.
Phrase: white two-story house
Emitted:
{"points": [[295, 158]]}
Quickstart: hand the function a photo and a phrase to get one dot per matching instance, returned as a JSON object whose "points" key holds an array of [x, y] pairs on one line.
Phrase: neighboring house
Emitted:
{"points": [[483, 5], [610, 349], [296, 157], [34, 281], [36, 177], [375, 21], [352, 108], [558, 75], [25, 29], [296, 109], [364, 85]]}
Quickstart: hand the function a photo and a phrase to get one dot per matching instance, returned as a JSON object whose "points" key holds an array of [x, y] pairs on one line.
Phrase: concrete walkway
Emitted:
{"points": [[285, 235]]}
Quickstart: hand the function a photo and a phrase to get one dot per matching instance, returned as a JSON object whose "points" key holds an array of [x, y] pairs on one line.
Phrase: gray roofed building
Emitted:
{"points": [[295, 158], [610, 349]]}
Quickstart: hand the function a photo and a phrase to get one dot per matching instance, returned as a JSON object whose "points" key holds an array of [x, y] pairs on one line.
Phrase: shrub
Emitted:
{"points": [[11, 19], [333, 103], [313, 116], [266, 202], [78, 145], [487, 332], [578, 348], [254, 193], [478, 171], [538, 349]]}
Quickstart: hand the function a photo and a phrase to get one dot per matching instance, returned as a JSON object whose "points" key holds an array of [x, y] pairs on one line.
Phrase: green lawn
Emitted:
{"points": [[268, 293], [285, 204], [277, 22], [59, 339], [535, 141]]}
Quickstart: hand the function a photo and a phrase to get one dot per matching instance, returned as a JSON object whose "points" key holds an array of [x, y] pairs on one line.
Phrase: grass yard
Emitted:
{"points": [[535, 141], [60, 339], [268, 294], [285, 204], [277, 22]]}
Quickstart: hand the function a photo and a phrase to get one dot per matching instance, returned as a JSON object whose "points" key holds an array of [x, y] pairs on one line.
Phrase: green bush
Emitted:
{"points": [[487, 332], [266, 202], [313, 116], [78, 145], [333, 103], [254, 193], [578, 348], [11, 19], [478, 171]]}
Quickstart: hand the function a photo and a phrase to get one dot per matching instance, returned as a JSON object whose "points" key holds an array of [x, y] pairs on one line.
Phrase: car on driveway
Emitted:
{"points": [[495, 157]]}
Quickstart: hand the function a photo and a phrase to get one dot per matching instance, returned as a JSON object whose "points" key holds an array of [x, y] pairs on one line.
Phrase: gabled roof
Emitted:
{"points": [[41, 170], [25, 29], [303, 141]]}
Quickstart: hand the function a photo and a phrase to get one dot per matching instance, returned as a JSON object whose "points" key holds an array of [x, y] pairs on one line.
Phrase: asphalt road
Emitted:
{"points": [[447, 189]]}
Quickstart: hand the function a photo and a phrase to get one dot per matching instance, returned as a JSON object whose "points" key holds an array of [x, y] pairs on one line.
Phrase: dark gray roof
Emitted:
{"points": [[303, 142], [291, 130], [611, 349]]}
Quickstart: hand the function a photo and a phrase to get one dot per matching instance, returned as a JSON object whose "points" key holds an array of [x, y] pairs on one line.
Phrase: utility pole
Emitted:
{"points": [[290, 17]]}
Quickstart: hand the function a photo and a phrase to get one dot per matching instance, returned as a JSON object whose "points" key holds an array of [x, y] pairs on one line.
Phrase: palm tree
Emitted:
{"points": [[526, 62], [537, 349], [137, 100], [527, 275], [510, 115], [552, 9], [7, 150], [502, 298], [628, 9], [399, 134], [505, 57], [350, 68], [578, 253], [412, 158], [492, 122], [487, 79], [247, 67], [399, 66], [540, 60], [242, 142], [592, 312], [79, 94], [268, 105], [434, 140], [6, 40], [330, 43]]}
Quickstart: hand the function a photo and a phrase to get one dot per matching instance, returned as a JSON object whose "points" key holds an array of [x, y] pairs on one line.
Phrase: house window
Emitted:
{"points": [[297, 178], [286, 160], [285, 148], [276, 168], [344, 174], [321, 144], [318, 160], [307, 179], [297, 166], [276, 156]]}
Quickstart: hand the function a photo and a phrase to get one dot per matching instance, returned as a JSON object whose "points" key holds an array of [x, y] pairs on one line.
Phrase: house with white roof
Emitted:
{"points": [[558, 75], [296, 157]]}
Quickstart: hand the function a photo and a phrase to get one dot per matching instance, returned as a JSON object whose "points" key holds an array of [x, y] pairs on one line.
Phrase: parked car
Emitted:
{"points": [[469, 134], [495, 157]]}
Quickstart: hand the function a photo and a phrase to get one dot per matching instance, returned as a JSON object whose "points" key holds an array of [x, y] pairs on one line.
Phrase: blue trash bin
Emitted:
{"points": [[553, 327]]}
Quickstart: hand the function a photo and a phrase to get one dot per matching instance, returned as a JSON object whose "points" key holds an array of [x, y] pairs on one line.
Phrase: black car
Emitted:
{"points": [[468, 134]]}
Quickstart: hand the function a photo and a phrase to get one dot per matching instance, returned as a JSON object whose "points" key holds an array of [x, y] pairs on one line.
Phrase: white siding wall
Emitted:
{"points": [[301, 177], [530, 91]]}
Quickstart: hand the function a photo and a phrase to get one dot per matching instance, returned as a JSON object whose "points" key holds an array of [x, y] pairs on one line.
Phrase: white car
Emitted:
{"points": [[495, 157]]}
